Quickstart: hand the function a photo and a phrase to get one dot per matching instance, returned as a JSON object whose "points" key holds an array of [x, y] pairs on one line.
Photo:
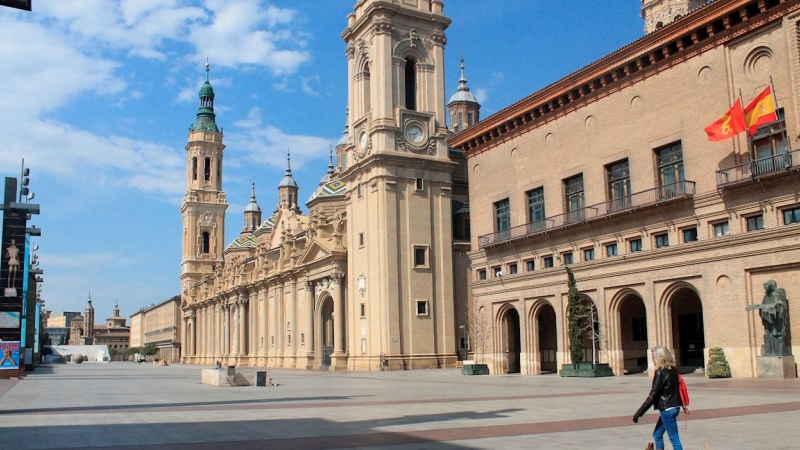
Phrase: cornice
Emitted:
{"points": [[708, 27]]}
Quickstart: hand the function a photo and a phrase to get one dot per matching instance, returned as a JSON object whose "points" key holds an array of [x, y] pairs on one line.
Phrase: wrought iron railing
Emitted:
{"points": [[649, 197], [752, 170]]}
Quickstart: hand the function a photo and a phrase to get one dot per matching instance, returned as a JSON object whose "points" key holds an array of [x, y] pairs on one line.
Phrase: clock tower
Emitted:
{"points": [[399, 284], [204, 203]]}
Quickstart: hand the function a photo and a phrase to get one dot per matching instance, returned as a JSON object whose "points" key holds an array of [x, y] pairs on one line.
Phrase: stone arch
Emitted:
{"points": [[627, 335], [404, 49], [508, 348], [324, 328], [542, 338], [680, 309]]}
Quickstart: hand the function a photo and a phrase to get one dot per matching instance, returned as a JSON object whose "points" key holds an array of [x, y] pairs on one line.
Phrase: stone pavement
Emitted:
{"points": [[142, 406]]}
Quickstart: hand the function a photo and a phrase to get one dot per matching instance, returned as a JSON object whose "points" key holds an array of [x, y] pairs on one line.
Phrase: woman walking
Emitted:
{"points": [[665, 398]]}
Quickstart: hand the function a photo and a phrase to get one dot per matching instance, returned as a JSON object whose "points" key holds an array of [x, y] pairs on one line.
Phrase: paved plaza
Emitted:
{"points": [[126, 405]]}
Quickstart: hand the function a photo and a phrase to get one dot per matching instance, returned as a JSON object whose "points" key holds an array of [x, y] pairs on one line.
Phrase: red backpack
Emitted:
{"points": [[684, 393]]}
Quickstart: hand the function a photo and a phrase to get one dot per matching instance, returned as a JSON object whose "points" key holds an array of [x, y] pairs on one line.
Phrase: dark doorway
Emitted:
{"points": [[688, 331], [512, 342], [327, 334], [548, 339]]}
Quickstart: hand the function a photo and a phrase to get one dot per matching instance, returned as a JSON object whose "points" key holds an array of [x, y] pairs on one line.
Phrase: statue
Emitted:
{"points": [[773, 309], [12, 253]]}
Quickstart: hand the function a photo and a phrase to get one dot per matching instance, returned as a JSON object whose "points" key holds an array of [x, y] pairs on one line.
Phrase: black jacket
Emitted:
{"points": [[664, 393]]}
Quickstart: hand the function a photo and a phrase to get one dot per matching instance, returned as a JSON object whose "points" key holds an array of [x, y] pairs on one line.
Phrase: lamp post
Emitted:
{"points": [[464, 340]]}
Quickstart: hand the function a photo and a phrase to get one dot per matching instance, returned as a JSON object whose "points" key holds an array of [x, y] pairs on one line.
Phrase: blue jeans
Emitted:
{"points": [[667, 422]]}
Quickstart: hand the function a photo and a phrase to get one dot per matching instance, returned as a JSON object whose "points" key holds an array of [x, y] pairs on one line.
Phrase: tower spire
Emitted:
{"points": [[206, 119]]}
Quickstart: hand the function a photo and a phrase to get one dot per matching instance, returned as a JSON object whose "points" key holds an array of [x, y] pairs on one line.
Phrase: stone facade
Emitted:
{"points": [[366, 280], [159, 325], [670, 236]]}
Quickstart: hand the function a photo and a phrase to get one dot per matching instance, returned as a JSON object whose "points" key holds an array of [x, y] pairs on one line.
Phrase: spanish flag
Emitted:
{"points": [[729, 125], [760, 111]]}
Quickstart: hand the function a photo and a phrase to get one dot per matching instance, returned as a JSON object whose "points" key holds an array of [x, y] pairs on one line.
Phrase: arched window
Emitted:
{"points": [[411, 84], [194, 167], [365, 88], [207, 169], [206, 242]]}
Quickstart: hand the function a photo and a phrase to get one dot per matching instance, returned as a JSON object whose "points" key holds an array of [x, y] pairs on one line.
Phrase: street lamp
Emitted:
{"points": [[464, 340]]}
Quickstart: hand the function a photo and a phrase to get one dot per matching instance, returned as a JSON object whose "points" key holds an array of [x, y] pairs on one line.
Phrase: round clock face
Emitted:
{"points": [[415, 134], [363, 140]]}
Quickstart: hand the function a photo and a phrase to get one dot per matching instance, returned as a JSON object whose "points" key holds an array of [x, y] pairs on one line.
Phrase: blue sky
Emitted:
{"points": [[98, 95]]}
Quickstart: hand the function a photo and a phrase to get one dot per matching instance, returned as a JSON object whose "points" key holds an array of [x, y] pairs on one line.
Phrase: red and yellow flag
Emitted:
{"points": [[729, 125], [760, 111]]}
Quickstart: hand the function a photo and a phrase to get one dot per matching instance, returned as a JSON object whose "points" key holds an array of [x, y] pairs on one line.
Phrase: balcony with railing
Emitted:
{"points": [[757, 169], [648, 198]]}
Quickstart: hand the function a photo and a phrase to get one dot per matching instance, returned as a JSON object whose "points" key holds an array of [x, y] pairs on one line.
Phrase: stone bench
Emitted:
{"points": [[233, 377]]}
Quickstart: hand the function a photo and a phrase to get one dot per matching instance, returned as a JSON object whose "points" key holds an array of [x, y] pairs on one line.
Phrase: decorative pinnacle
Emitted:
{"points": [[288, 162], [207, 68], [330, 159], [253, 194], [462, 82]]}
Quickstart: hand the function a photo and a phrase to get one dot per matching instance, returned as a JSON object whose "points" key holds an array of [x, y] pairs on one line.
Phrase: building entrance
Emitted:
{"points": [[511, 341]]}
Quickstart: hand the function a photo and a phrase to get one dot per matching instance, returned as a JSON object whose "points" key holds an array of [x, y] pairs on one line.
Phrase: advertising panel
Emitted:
{"points": [[9, 319], [9, 355]]}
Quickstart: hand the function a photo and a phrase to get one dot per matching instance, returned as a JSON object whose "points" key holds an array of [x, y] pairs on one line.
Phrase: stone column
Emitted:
{"points": [[279, 321], [235, 328], [293, 319], [190, 342], [309, 318], [263, 339], [242, 305], [338, 314]]}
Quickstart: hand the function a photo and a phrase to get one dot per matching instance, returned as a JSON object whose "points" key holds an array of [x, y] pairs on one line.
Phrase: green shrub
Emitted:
{"points": [[718, 366]]}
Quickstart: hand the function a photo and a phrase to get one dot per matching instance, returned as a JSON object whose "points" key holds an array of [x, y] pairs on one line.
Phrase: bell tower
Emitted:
{"points": [[204, 203], [398, 170], [659, 13]]}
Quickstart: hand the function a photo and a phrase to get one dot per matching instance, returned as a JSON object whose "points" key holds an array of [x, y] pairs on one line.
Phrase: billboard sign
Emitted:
{"points": [[9, 355]]}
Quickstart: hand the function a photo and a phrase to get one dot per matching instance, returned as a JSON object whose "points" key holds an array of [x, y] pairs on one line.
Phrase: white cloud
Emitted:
{"points": [[235, 35], [481, 95], [308, 85], [86, 261], [267, 145]]}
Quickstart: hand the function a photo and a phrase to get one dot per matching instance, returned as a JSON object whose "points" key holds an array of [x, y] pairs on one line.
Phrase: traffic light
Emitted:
{"points": [[23, 191]]}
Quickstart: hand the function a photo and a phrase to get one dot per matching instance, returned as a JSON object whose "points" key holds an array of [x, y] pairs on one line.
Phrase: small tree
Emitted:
{"points": [[481, 332], [148, 349], [718, 366], [576, 315]]}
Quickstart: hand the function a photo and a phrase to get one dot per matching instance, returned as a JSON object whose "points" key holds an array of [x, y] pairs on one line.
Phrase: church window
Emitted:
{"points": [[422, 307], [365, 90], [420, 184], [206, 242], [573, 196], [769, 147], [411, 84], [291, 199], [194, 168], [420, 256], [791, 215], [460, 121], [669, 160], [207, 169], [470, 119], [219, 173], [360, 239]]}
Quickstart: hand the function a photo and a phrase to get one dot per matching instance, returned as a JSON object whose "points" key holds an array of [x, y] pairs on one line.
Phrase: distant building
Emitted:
{"points": [[61, 320], [115, 334], [159, 325], [82, 331]]}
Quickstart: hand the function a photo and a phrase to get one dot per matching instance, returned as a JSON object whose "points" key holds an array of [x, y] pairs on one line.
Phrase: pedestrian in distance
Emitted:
{"points": [[665, 398]]}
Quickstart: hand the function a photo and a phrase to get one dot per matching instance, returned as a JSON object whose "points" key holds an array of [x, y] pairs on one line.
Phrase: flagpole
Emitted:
{"points": [[747, 130], [780, 122]]}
